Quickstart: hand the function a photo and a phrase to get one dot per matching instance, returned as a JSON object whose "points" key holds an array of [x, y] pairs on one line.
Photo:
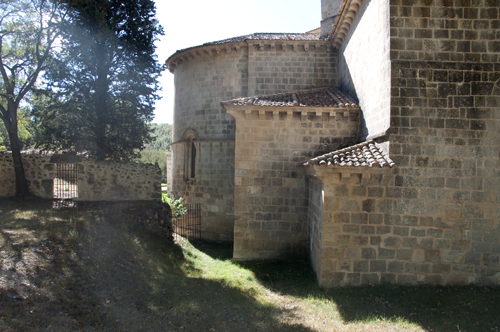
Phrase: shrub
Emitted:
{"points": [[176, 205]]}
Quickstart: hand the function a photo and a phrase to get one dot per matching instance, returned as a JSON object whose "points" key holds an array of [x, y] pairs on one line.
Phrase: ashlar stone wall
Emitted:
{"points": [[364, 64], [354, 240], [271, 193], [275, 67], [315, 223], [445, 132], [435, 218], [212, 187], [97, 181], [207, 75]]}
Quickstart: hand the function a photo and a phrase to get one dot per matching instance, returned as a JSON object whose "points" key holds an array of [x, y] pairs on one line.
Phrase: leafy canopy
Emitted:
{"points": [[104, 82], [29, 29]]}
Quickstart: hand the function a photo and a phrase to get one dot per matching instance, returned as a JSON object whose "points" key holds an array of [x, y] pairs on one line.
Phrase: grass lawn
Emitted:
{"points": [[99, 268]]}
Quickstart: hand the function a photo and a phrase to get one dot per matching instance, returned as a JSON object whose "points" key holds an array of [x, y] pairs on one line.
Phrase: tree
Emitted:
{"points": [[26, 131], [104, 81], [28, 31]]}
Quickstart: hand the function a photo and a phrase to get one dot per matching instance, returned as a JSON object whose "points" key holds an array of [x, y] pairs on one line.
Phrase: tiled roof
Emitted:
{"points": [[268, 36], [258, 36], [318, 97], [368, 154]]}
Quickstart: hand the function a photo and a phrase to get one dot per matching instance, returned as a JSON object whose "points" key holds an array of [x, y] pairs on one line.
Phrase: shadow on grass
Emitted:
{"points": [[432, 308], [99, 268], [216, 250]]}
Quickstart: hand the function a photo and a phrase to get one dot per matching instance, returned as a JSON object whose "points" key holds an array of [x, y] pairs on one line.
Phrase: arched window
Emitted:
{"points": [[190, 139]]}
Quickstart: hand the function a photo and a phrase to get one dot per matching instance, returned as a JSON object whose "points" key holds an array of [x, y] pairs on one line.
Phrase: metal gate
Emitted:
{"points": [[65, 181], [189, 225]]}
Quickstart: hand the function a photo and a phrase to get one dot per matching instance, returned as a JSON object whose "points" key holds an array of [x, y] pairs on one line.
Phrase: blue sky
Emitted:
{"points": [[194, 22]]}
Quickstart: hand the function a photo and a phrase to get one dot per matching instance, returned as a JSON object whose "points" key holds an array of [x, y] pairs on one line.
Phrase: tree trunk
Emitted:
{"points": [[102, 102], [22, 190]]}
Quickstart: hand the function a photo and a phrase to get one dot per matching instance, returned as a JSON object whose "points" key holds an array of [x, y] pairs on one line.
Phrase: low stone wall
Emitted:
{"points": [[97, 181], [39, 173]]}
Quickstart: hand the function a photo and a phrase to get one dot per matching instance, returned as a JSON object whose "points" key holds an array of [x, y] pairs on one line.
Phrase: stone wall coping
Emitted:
{"points": [[226, 141], [65, 157]]}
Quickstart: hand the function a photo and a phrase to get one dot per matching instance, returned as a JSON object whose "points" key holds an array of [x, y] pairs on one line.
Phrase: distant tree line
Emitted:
{"points": [[157, 150]]}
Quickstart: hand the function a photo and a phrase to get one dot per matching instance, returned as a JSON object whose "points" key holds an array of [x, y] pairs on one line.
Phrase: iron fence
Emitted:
{"points": [[66, 181], [189, 225]]}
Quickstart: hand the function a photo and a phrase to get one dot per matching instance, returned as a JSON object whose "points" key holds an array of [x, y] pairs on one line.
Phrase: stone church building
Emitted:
{"points": [[372, 144]]}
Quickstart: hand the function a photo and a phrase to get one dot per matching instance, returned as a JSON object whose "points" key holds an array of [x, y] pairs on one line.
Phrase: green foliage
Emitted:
{"points": [[28, 31], [104, 82], [25, 129], [177, 205], [155, 157], [163, 135], [156, 152]]}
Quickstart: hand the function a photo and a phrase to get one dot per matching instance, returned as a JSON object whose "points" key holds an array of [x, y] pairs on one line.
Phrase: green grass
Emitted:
{"points": [[102, 268]]}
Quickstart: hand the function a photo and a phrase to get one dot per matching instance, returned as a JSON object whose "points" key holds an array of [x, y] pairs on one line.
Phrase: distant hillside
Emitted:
{"points": [[163, 133], [156, 152]]}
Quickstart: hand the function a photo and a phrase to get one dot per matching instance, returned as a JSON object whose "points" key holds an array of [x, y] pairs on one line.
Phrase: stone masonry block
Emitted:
{"points": [[368, 253], [370, 279], [360, 266], [378, 266], [386, 253], [418, 255], [352, 253], [417, 268]]}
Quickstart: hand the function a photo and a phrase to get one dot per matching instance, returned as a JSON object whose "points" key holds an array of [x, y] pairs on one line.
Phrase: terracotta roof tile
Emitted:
{"points": [[268, 36], [366, 154], [257, 36], [318, 97]]}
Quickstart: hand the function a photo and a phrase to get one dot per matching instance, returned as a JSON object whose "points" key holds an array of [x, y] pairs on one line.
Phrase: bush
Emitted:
{"points": [[176, 205]]}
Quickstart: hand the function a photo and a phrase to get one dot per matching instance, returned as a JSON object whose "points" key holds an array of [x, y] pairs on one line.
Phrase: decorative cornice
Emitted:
{"points": [[342, 25], [213, 50]]}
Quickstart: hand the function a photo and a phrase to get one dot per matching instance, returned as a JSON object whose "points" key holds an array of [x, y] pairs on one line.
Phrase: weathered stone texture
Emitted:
{"points": [[315, 221], [365, 68], [444, 135], [330, 8], [38, 171], [110, 181], [297, 66], [169, 173], [97, 181], [435, 218], [271, 205], [213, 187], [217, 73]]}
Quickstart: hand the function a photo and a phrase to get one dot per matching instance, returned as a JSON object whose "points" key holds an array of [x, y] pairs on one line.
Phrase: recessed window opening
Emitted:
{"points": [[193, 160], [190, 150]]}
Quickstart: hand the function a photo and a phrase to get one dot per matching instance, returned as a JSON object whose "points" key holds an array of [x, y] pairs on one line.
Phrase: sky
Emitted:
{"points": [[190, 23]]}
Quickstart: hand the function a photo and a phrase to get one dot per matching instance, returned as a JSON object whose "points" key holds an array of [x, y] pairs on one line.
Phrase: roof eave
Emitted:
{"points": [[342, 25], [218, 47]]}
